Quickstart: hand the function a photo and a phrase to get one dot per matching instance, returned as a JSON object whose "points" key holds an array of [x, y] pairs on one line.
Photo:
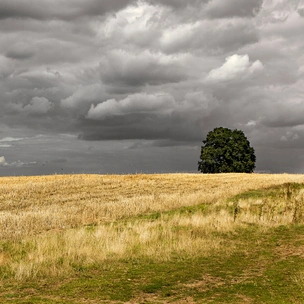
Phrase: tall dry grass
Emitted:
{"points": [[38, 212], [272, 211], [57, 254]]}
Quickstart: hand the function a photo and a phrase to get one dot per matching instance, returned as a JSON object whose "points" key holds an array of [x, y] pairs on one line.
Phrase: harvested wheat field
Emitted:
{"points": [[32, 205], [163, 238]]}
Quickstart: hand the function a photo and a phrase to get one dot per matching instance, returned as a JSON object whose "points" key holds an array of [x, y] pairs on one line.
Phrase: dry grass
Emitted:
{"points": [[299, 280], [38, 212], [271, 211], [32, 205], [55, 254]]}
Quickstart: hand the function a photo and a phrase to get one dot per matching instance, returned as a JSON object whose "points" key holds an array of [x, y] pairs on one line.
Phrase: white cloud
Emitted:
{"points": [[133, 104], [251, 123], [9, 139], [279, 10], [180, 35], [138, 25], [37, 105], [208, 36], [235, 67], [2, 161], [84, 96], [16, 164], [290, 136]]}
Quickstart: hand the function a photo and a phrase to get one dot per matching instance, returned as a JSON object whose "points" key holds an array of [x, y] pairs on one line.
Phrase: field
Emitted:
{"points": [[170, 238]]}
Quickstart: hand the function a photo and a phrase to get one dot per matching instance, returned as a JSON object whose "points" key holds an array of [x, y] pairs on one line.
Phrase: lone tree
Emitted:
{"points": [[225, 150]]}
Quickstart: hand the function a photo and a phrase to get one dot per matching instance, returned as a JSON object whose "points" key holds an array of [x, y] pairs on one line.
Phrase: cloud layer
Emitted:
{"points": [[161, 73]]}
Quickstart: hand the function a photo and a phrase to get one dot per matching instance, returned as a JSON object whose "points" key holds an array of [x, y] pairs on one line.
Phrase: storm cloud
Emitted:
{"points": [[118, 86]]}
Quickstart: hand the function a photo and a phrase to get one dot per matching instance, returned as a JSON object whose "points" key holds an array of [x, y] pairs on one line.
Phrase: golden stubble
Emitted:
{"points": [[38, 214], [33, 205]]}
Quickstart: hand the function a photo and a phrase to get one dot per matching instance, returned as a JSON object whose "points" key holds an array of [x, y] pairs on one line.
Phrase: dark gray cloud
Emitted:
{"points": [[286, 114], [124, 83], [217, 8], [233, 8], [124, 68], [20, 51], [58, 9], [179, 3]]}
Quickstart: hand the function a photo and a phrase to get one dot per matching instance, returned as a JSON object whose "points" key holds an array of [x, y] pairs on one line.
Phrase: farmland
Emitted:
{"points": [[169, 238]]}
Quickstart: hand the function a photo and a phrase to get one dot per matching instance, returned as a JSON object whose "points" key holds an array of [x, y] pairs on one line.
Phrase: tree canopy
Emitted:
{"points": [[225, 150]]}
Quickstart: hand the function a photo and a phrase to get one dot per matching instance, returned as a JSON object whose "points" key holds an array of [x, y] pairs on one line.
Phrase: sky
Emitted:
{"points": [[127, 86]]}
